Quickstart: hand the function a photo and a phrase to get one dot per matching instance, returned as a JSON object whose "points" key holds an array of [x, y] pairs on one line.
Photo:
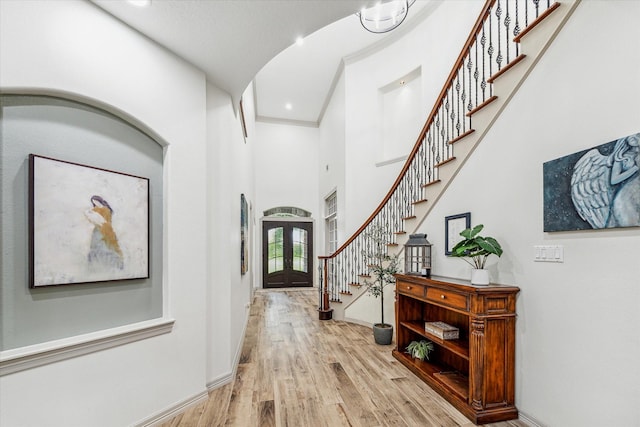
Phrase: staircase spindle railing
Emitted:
{"points": [[491, 46]]}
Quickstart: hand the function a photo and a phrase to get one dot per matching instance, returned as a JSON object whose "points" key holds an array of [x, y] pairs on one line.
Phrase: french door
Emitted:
{"points": [[287, 254]]}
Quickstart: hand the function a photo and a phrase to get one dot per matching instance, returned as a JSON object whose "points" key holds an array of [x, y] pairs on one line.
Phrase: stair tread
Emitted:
{"points": [[431, 183], [481, 106], [462, 136], [539, 19], [444, 162], [506, 68]]}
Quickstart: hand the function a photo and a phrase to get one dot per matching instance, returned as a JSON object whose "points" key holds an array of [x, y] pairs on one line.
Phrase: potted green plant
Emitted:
{"points": [[420, 349], [475, 249], [382, 268]]}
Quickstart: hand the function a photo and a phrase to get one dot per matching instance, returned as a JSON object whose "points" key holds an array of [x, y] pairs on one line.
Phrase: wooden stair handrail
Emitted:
{"points": [[486, 10]]}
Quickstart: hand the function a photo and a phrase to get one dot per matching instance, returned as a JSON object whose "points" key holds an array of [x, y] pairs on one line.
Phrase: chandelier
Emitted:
{"points": [[384, 16]]}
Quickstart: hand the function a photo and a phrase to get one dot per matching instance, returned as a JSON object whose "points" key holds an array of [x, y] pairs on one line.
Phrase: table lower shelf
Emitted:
{"points": [[455, 382], [454, 387]]}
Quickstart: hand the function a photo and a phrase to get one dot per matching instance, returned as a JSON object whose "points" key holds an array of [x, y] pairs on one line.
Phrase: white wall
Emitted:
{"points": [[578, 344], [229, 174], [75, 49], [331, 160], [365, 75], [285, 167]]}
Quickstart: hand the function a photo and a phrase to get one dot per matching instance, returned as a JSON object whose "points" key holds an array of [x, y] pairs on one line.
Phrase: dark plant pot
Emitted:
{"points": [[382, 333]]}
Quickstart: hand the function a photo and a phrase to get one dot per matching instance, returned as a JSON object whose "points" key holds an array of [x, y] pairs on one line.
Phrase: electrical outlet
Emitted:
{"points": [[548, 253]]}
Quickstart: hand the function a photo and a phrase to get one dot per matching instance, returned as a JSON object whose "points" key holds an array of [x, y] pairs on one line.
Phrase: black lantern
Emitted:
{"points": [[417, 256]]}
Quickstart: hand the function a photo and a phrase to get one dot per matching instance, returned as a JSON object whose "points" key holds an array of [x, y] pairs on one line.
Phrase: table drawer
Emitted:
{"points": [[411, 289], [449, 298]]}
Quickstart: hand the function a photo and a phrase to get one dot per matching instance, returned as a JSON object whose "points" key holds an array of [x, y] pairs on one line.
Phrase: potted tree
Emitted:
{"points": [[382, 268], [474, 250]]}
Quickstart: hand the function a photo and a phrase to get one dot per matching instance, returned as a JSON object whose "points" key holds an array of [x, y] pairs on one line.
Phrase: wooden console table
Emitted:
{"points": [[475, 373]]}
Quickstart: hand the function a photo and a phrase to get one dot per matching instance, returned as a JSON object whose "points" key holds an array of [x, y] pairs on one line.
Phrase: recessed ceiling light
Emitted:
{"points": [[299, 41], [140, 3], [288, 106]]}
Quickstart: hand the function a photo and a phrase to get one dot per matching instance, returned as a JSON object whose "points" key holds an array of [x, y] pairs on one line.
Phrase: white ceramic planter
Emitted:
{"points": [[479, 277]]}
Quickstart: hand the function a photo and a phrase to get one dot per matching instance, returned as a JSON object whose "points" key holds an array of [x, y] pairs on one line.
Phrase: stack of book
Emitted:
{"points": [[442, 330]]}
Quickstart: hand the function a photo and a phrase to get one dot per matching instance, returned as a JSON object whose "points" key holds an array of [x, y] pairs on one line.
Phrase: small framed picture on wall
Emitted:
{"points": [[453, 225]]}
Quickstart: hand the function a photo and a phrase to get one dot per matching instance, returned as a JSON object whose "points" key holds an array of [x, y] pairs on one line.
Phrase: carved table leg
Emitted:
{"points": [[476, 370]]}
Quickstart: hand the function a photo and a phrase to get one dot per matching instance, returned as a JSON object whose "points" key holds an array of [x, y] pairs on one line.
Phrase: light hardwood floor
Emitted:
{"points": [[298, 371]]}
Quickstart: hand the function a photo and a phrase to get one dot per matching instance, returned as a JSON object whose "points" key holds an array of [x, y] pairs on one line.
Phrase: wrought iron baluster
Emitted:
{"points": [[406, 195], [470, 66], [516, 29], [343, 272], [433, 154], [446, 118], [476, 74], [507, 23], [419, 168], [490, 49], [498, 15], [443, 139], [459, 99], [483, 83], [437, 138], [417, 177], [339, 276]]}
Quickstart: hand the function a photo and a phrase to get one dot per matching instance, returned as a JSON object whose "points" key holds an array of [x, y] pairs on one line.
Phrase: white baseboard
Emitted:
{"points": [[220, 381], [358, 322], [175, 410], [529, 420], [236, 359]]}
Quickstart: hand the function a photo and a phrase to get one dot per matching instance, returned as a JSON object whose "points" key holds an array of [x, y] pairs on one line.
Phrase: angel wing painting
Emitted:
{"points": [[594, 189], [605, 190]]}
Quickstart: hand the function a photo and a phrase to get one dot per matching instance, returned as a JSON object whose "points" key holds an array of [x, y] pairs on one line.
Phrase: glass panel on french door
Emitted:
{"points": [[300, 244], [276, 249]]}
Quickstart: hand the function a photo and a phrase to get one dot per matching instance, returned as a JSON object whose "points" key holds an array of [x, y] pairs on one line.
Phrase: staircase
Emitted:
{"points": [[504, 45]]}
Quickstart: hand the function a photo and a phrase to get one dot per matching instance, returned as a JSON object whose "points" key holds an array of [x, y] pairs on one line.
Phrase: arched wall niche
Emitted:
{"points": [[85, 131], [90, 102]]}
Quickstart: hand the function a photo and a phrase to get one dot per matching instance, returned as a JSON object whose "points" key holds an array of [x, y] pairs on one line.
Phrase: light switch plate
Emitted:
{"points": [[548, 253]]}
